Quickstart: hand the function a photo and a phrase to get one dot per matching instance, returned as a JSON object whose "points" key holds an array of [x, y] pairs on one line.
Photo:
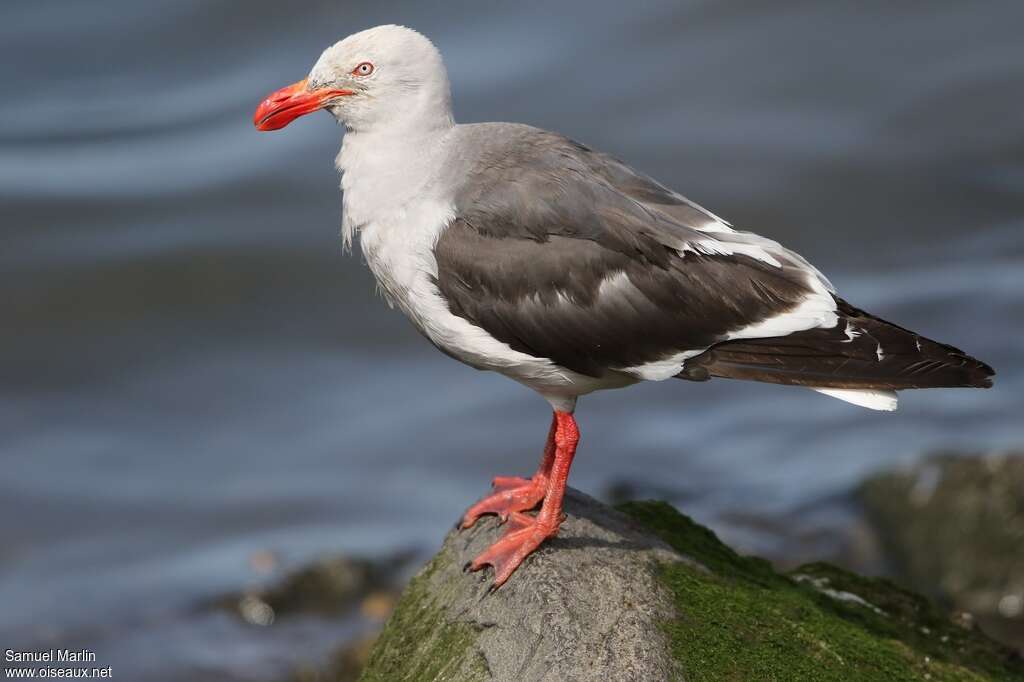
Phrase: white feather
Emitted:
{"points": [[872, 399], [400, 212], [665, 368], [715, 247]]}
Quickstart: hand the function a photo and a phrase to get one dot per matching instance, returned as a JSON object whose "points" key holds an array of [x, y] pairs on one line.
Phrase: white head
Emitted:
{"points": [[388, 77]]}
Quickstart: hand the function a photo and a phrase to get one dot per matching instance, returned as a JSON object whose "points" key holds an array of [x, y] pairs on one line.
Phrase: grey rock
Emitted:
{"points": [[586, 606], [652, 595]]}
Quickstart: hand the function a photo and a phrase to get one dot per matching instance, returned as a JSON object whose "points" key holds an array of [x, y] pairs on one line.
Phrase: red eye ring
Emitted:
{"points": [[363, 69]]}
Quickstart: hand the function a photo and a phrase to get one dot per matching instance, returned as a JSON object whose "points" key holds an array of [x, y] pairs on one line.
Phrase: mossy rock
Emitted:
{"points": [[952, 527], [644, 593], [816, 623]]}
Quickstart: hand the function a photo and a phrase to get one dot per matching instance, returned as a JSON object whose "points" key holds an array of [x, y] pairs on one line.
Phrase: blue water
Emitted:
{"points": [[192, 371]]}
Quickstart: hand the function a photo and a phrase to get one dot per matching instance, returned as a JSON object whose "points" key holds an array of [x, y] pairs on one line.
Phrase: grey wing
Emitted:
{"points": [[567, 254], [711, 233]]}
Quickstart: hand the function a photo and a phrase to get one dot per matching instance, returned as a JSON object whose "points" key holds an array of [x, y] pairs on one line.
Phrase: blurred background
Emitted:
{"points": [[200, 393]]}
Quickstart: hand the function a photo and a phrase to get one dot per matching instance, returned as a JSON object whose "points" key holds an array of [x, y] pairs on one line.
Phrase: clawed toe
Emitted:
{"points": [[503, 483], [524, 534], [511, 495]]}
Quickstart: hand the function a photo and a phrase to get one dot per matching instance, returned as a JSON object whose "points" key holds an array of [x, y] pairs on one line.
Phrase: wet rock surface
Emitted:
{"points": [[643, 592], [952, 527]]}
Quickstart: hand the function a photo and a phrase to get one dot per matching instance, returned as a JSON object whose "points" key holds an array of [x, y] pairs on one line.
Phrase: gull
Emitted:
{"points": [[523, 252]]}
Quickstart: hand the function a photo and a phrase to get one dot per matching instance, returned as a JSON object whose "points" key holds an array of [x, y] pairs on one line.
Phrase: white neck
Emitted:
{"points": [[427, 108], [383, 172]]}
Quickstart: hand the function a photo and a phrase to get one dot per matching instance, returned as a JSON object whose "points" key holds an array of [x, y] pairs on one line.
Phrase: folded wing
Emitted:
{"points": [[581, 260]]}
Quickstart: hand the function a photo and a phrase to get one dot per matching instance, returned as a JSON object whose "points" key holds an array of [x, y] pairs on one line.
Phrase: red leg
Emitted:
{"points": [[513, 494], [526, 533]]}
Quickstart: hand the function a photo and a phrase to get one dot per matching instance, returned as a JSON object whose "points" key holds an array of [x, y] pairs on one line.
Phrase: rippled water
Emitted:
{"points": [[193, 372]]}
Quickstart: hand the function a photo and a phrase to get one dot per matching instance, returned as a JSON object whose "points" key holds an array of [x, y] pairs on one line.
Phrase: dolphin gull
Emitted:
{"points": [[521, 251]]}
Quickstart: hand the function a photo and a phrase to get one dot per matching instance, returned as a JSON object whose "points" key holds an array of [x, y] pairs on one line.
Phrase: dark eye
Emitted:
{"points": [[364, 69]]}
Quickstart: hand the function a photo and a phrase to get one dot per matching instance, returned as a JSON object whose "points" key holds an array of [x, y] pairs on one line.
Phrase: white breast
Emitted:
{"points": [[394, 199], [399, 250]]}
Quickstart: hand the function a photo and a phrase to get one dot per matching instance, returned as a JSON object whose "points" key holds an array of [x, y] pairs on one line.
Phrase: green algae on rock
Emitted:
{"points": [[744, 621], [646, 593], [420, 643]]}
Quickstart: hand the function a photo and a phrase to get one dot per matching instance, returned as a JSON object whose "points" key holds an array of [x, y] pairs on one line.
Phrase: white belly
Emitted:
{"points": [[399, 251]]}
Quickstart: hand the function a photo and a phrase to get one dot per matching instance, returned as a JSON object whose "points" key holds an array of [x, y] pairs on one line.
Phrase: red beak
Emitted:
{"points": [[285, 105]]}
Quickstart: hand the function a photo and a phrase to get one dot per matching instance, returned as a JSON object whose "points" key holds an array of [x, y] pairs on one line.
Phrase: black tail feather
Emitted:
{"points": [[862, 351]]}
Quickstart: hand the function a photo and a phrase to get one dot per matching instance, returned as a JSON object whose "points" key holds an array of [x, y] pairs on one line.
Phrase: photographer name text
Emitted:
{"points": [[50, 656]]}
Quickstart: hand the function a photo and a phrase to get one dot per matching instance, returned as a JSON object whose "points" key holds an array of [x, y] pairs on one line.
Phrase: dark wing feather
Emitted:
{"points": [[568, 254], [861, 352], [546, 298], [572, 259]]}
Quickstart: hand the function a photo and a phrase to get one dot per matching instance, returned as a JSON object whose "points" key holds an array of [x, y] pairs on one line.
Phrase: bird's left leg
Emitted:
{"points": [[512, 493], [526, 533]]}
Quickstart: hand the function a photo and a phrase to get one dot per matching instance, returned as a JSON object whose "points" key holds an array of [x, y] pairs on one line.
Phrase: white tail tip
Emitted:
{"points": [[873, 399]]}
